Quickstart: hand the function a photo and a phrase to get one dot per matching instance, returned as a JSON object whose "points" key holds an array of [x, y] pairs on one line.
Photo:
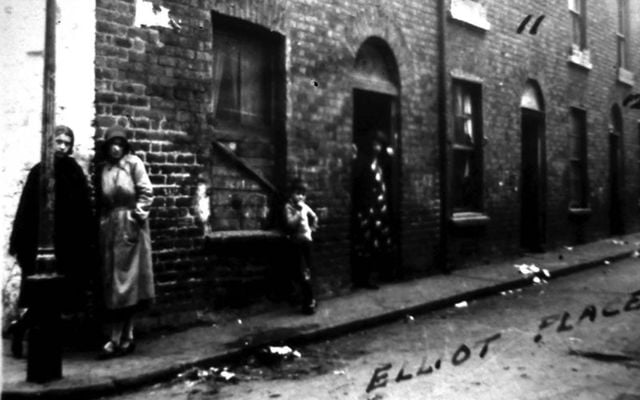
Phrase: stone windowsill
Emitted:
{"points": [[242, 235], [580, 212], [625, 76], [467, 219], [469, 12], [580, 58]]}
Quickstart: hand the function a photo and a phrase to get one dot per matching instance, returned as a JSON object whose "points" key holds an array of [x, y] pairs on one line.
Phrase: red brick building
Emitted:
{"points": [[232, 98]]}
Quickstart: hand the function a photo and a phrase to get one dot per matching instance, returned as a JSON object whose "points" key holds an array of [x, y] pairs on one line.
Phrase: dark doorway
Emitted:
{"points": [[375, 188], [533, 181], [615, 173]]}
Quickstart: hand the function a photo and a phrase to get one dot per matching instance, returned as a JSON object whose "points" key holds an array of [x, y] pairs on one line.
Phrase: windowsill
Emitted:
{"points": [[468, 219], [579, 213], [242, 235], [580, 58], [625, 76], [469, 13]]}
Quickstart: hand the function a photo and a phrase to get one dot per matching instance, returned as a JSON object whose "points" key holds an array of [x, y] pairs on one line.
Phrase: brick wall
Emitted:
{"points": [[505, 60], [156, 81]]}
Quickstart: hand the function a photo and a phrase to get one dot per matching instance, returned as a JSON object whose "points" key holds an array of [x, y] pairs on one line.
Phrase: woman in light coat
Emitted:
{"points": [[125, 194]]}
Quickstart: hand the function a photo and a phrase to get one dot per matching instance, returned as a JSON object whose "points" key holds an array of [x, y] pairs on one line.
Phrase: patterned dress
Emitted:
{"points": [[373, 232]]}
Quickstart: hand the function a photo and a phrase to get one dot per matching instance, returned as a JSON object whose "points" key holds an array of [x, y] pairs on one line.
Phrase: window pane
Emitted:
{"points": [[622, 62], [241, 79], [463, 177], [254, 95], [466, 157]]}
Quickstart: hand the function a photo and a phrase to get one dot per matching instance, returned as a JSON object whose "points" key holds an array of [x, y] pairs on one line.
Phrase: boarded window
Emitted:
{"points": [[247, 114]]}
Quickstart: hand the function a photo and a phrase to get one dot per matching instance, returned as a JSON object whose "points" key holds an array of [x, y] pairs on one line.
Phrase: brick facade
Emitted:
{"points": [[157, 82], [504, 61], [215, 224]]}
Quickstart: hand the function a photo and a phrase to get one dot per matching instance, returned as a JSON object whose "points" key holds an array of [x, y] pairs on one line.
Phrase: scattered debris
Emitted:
{"points": [[239, 321], [196, 375], [607, 262], [275, 354], [539, 274], [527, 269], [618, 242], [339, 372], [462, 304], [569, 248], [409, 319], [227, 376]]}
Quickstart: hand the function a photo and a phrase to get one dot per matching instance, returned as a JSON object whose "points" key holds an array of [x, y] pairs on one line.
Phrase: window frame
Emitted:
{"points": [[622, 34], [578, 159], [474, 150], [578, 12], [260, 148], [245, 32]]}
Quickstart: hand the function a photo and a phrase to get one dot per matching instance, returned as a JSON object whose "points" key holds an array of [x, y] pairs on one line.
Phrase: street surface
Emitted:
{"points": [[577, 337]]}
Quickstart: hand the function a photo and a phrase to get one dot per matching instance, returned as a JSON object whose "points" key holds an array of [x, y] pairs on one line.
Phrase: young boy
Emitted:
{"points": [[301, 222]]}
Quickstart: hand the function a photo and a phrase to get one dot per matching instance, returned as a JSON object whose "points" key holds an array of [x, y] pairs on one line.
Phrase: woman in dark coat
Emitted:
{"points": [[125, 194], [73, 232]]}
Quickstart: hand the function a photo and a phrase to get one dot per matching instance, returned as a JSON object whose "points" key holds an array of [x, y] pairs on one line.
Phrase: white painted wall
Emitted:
{"points": [[21, 67]]}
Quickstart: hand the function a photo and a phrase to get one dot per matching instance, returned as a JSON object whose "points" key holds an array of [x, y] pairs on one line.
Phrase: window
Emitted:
{"points": [[578, 10], [466, 169], [579, 196], [242, 76], [623, 33], [247, 115]]}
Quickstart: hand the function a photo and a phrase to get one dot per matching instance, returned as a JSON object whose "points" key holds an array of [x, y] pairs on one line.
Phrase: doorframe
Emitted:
{"points": [[541, 180], [396, 168]]}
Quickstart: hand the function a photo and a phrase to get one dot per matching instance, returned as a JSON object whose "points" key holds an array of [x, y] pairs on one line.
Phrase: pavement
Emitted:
{"points": [[162, 357]]}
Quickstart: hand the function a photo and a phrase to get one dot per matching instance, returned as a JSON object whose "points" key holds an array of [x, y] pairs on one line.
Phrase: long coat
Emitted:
{"points": [[74, 234], [126, 194]]}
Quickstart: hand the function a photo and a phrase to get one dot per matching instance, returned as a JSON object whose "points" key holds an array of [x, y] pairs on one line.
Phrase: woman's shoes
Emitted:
{"points": [[127, 347], [109, 350], [112, 349], [310, 309]]}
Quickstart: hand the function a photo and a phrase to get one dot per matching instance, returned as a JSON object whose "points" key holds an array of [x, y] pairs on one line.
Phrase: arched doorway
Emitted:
{"points": [[375, 193], [615, 171], [533, 169]]}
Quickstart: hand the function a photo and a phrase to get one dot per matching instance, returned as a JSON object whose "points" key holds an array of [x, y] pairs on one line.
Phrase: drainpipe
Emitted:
{"points": [[442, 136], [44, 354]]}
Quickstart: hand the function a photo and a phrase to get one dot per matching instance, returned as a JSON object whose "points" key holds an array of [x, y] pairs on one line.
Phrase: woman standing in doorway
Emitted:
{"points": [[125, 194], [372, 225]]}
